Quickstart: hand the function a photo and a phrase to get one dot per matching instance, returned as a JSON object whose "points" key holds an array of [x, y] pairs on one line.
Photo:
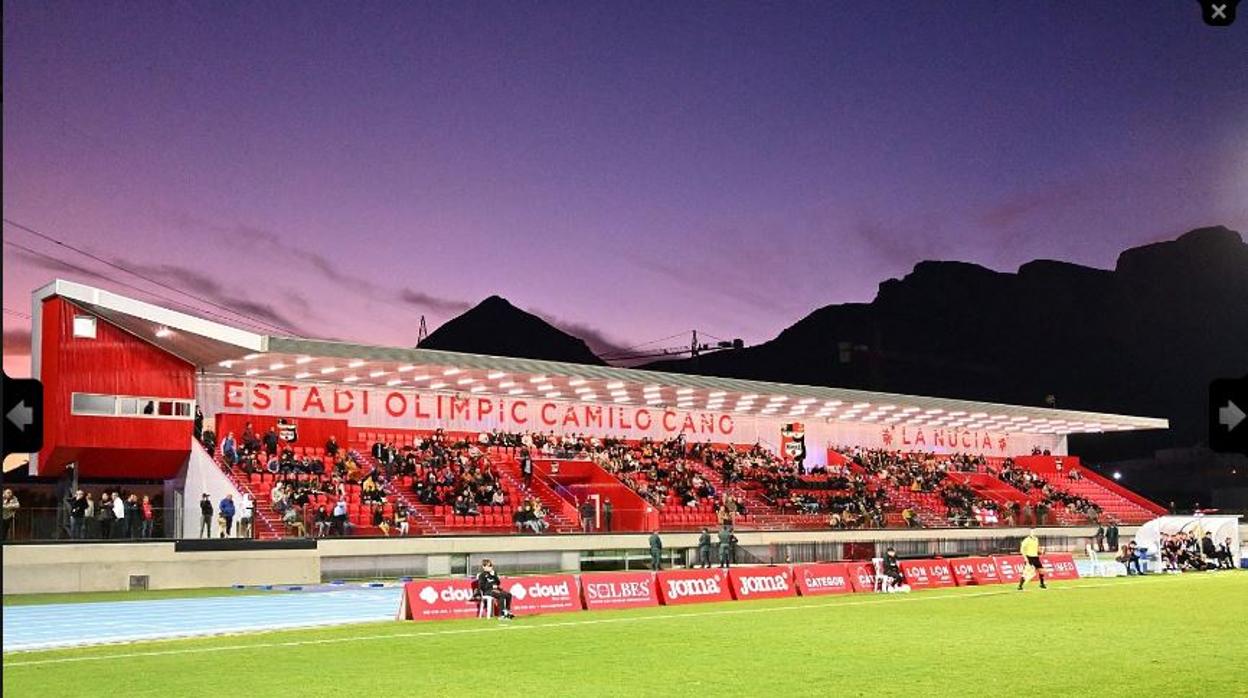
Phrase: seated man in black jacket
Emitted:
{"points": [[488, 584], [892, 568]]}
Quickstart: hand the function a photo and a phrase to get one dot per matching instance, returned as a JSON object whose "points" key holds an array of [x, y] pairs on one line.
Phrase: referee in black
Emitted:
{"points": [[488, 584]]}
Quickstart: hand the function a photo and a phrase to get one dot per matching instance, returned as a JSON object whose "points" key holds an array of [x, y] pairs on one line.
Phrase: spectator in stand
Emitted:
{"points": [[656, 551], [400, 520], [226, 509], [11, 506], [78, 516], [270, 441], [104, 516], [379, 520], [526, 467], [340, 517], [277, 496], [321, 522], [205, 516], [608, 510], [198, 426], [909, 517], [247, 517], [120, 529], [293, 518], [148, 517], [586, 511], [229, 449], [134, 516], [210, 441], [331, 446]]}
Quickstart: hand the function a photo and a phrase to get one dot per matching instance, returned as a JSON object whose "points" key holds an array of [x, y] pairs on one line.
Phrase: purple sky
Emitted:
{"points": [[629, 170]]}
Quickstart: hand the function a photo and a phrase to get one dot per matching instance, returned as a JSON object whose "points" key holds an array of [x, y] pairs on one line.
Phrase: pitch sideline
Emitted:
{"points": [[891, 598]]}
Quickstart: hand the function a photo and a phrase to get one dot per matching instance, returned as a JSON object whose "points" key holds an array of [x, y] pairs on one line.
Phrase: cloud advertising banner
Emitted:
{"points": [[553, 593], [438, 599]]}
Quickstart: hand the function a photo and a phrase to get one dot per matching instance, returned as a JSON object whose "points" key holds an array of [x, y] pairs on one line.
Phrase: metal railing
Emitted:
{"points": [[52, 523]]}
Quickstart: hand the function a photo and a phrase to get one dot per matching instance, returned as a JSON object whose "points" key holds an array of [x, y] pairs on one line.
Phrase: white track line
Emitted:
{"points": [[891, 598]]}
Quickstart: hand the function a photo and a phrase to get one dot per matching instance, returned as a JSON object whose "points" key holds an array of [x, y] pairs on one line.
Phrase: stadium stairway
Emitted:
{"points": [[509, 468]]}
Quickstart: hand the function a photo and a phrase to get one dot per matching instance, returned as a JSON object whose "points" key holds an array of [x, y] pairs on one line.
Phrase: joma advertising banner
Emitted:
{"points": [[693, 586], [760, 583]]}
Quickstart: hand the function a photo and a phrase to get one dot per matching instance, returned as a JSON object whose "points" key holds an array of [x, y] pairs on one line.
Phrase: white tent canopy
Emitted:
{"points": [[1220, 525]]}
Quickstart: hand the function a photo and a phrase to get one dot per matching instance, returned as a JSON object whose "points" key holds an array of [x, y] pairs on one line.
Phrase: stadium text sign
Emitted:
{"points": [[1009, 567], [927, 574], [692, 586], [555, 593], [825, 578], [861, 575], [425, 410], [760, 583], [618, 590], [438, 599]]}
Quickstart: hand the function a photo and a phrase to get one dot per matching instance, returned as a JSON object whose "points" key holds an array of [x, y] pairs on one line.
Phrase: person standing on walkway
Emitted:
{"points": [[656, 551], [725, 547], [704, 549], [205, 516]]}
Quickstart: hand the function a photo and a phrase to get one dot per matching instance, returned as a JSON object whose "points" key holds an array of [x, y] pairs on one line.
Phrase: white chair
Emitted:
{"points": [[1099, 569]]}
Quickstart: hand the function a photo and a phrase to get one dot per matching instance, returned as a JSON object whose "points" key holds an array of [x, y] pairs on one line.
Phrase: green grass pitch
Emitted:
{"points": [[1158, 635]]}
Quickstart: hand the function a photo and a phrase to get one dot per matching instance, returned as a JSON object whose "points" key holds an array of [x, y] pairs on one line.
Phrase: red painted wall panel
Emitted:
{"points": [[115, 362]]}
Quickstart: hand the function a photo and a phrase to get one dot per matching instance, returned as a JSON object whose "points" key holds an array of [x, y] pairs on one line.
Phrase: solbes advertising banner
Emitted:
{"points": [[618, 590]]}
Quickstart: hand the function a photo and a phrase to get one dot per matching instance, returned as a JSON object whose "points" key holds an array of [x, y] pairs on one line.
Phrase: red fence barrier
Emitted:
{"points": [[761, 583], [556, 593], [824, 578], [693, 586], [927, 574], [618, 590], [553, 593]]}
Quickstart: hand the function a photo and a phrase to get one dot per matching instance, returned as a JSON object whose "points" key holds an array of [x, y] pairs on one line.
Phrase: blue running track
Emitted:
{"points": [[74, 624]]}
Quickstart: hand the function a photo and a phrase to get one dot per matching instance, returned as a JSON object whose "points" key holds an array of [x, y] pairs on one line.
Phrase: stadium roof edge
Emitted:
{"points": [[214, 345]]}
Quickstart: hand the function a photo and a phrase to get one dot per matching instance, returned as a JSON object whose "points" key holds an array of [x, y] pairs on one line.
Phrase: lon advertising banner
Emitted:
{"points": [[618, 590], [760, 583], [438, 599], [824, 578], [861, 575], [976, 571], [693, 586], [554, 593], [1059, 566], [927, 574], [1010, 567]]}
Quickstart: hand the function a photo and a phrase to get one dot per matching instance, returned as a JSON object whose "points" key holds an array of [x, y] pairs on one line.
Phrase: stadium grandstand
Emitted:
{"points": [[327, 438]]}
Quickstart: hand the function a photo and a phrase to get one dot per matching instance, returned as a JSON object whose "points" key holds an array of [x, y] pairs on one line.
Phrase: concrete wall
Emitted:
{"points": [[82, 567], [31, 569]]}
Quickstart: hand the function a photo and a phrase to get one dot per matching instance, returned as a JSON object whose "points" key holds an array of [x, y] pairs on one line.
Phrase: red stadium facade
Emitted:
{"points": [[123, 379]]}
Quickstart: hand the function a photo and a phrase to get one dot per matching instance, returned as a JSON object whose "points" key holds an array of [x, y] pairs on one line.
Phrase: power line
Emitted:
{"points": [[49, 238], [171, 301], [18, 313]]}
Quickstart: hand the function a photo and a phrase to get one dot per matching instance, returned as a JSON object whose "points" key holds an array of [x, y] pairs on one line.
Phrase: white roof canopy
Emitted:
{"points": [[228, 351]]}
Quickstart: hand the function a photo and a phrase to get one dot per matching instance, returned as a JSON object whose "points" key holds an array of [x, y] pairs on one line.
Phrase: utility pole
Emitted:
{"points": [[693, 346], [423, 333]]}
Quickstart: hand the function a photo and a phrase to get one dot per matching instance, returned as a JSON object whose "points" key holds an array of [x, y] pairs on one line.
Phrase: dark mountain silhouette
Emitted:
{"points": [[1145, 338], [496, 327]]}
